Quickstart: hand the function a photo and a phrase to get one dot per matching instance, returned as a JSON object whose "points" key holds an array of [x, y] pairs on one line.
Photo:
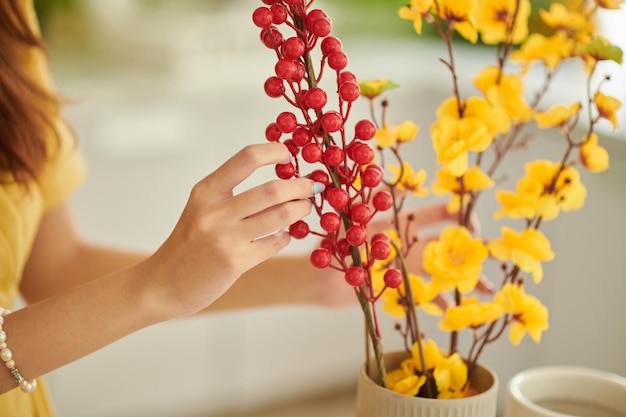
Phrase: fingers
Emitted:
{"points": [[275, 218], [270, 194], [240, 166]]}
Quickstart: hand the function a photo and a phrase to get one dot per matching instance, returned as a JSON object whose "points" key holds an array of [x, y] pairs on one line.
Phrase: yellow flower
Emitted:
{"points": [[474, 179], [402, 382], [493, 116], [415, 11], [593, 156], [557, 116], [455, 260], [373, 88], [431, 352], [451, 377], [506, 90], [408, 180], [607, 107], [559, 17], [529, 314], [461, 14], [537, 196], [423, 294], [495, 17], [406, 131], [549, 50], [386, 136], [470, 313], [526, 249], [454, 138]]}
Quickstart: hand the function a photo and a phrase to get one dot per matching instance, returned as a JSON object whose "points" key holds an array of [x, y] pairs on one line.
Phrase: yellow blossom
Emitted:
{"points": [[461, 14], [407, 180], [454, 261], [536, 194], [506, 90], [385, 137], [493, 116], [373, 88], [406, 131], [561, 18], [423, 294], [470, 313], [549, 50], [495, 18], [403, 382], [415, 11], [557, 116], [474, 179], [454, 138], [593, 156], [607, 107], [526, 249], [529, 314], [451, 377]]}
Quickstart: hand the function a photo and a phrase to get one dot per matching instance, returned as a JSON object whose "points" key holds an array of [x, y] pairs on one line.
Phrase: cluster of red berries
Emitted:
{"points": [[318, 138]]}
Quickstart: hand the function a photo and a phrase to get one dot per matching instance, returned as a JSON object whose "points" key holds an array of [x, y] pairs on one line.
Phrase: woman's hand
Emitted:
{"points": [[221, 235]]}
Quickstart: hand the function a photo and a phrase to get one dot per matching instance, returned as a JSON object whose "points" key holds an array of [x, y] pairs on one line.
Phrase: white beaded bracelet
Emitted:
{"points": [[7, 356]]}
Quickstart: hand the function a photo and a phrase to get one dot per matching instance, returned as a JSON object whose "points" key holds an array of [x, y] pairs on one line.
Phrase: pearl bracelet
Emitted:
{"points": [[7, 356]]}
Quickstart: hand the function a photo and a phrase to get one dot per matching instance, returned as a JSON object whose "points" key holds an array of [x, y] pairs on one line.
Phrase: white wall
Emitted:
{"points": [[150, 133]]}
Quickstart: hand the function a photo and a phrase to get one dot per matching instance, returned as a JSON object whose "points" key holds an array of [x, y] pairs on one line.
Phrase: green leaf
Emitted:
{"points": [[601, 50], [373, 88]]}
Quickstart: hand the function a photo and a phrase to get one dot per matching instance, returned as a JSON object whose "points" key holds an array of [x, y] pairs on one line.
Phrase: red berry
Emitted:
{"points": [[285, 171], [337, 198], [347, 76], [314, 15], [320, 176], [333, 156], [320, 258], [299, 230], [330, 221], [362, 154], [312, 153], [286, 122], [300, 72], [355, 276], [279, 13], [380, 236], [293, 148], [356, 235], [271, 37], [372, 176], [383, 200], [274, 87], [327, 243], [381, 249], [393, 278], [301, 136], [349, 91], [364, 129], [262, 17], [337, 60], [293, 2], [331, 121], [270, 2], [316, 98], [272, 132], [330, 44], [285, 69], [361, 213], [321, 27], [343, 247], [293, 48]]}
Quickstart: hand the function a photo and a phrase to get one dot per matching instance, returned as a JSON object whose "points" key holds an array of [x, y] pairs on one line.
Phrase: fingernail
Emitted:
{"points": [[318, 187]]}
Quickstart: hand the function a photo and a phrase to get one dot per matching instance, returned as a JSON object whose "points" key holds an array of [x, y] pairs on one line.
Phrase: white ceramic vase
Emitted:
{"points": [[566, 391], [372, 400]]}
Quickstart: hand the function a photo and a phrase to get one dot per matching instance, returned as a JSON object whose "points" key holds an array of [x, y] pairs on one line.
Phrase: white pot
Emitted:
{"points": [[565, 391], [372, 400]]}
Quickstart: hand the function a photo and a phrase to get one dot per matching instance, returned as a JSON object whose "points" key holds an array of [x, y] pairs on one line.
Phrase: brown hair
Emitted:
{"points": [[27, 110]]}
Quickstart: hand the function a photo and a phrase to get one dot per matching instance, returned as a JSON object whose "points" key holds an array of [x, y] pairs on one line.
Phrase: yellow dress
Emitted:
{"points": [[20, 215]]}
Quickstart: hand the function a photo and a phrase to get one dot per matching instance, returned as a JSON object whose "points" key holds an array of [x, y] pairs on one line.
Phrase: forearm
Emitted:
{"points": [[63, 328]]}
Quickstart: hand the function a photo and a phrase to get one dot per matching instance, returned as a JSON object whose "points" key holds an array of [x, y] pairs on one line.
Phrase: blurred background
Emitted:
{"points": [[164, 91]]}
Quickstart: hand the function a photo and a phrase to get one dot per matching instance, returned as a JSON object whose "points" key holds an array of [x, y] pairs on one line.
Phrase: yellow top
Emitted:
{"points": [[20, 214]]}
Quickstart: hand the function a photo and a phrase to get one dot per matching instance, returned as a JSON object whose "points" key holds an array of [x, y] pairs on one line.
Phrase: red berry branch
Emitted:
{"points": [[326, 149]]}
